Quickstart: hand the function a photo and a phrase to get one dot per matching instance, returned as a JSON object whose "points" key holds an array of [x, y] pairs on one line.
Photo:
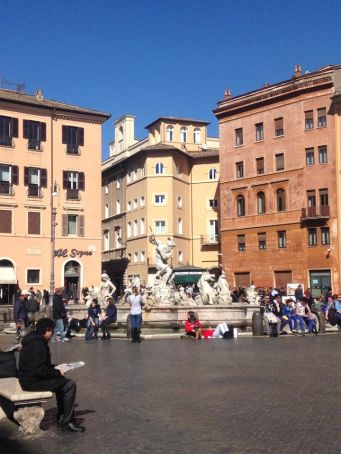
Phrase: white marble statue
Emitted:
{"points": [[106, 289], [252, 295], [223, 290], [208, 294], [163, 253]]}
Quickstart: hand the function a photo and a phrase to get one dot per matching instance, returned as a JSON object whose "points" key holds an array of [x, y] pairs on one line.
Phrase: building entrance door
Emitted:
{"points": [[71, 280], [8, 282], [320, 282]]}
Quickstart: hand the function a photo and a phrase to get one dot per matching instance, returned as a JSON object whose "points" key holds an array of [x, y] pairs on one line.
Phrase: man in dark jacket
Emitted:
{"points": [[20, 312], [59, 316], [36, 373]]}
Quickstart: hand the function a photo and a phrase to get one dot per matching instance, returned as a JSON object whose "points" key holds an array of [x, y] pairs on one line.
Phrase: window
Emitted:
{"points": [[180, 256], [35, 179], [213, 231], [323, 154], [73, 224], [129, 177], [160, 226], [118, 183], [136, 227], [180, 226], [35, 133], [9, 175], [106, 189], [239, 137], [142, 226], [135, 174], [213, 203], [261, 241], [33, 276], [280, 196], [279, 127], [183, 135], [142, 256], [309, 119], [142, 201], [325, 236], [33, 223], [129, 229], [160, 168], [8, 130], [261, 203], [143, 171], [259, 132], [73, 182], [160, 199], [312, 237], [241, 242], [73, 138], [280, 161], [260, 166], [212, 174], [282, 239], [322, 117], [106, 240], [309, 156], [240, 206], [196, 135], [311, 198], [135, 204], [179, 202], [324, 197], [118, 237], [136, 257], [118, 206], [106, 211], [170, 133], [5, 221], [239, 169]]}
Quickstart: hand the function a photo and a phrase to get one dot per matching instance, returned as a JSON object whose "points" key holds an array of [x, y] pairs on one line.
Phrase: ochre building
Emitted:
{"points": [[280, 150], [50, 194]]}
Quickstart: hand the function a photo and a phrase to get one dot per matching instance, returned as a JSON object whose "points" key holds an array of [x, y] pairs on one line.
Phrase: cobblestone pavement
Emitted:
{"points": [[247, 395]]}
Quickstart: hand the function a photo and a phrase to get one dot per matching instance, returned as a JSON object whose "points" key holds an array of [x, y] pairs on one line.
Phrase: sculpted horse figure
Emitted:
{"points": [[208, 293]]}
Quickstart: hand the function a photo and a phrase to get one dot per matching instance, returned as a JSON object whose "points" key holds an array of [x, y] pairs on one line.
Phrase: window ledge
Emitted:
{"points": [[238, 146], [278, 137], [259, 141]]}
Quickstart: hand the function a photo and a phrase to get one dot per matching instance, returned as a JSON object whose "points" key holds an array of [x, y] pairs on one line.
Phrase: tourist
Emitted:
{"points": [[289, 315], [94, 313], [298, 293], [337, 305], [36, 373], [303, 314], [20, 313], [32, 307], [110, 318], [59, 316], [270, 314], [193, 326], [136, 302]]}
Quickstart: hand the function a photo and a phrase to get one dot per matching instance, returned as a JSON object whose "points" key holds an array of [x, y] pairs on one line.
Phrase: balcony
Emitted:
{"points": [[72, 194], [6, 188], [209, 240], [73, 149], [315, 213], [33, 190]]}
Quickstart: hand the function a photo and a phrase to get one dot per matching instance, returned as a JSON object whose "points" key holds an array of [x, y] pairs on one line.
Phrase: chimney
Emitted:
{"points": [[227, 94], [39, 95], [298, 71]]}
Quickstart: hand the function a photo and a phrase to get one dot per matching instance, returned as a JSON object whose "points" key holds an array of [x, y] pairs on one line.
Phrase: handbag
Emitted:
{"points": [[8, 365]]}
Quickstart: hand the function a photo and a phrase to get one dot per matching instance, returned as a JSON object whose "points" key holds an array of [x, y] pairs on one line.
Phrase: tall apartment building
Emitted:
{"points": [[167, 184], [280, 158], [50, 191]]}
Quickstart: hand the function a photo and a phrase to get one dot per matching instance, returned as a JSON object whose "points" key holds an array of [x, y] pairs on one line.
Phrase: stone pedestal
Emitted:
{"points": [[29, 419]]}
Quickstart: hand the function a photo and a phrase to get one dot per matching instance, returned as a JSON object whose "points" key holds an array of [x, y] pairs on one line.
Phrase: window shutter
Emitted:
{"points": [[279, 123], [43, 178], [15, 127], [26, 176], [64, 134], [261, 236], [81, 137], [33, 223], [43, 132], [64, 225], [15, 175], [81, 181], [26, 123], [81, 225], [260, 163], [309, 114], [65, 179], [5, 221]]}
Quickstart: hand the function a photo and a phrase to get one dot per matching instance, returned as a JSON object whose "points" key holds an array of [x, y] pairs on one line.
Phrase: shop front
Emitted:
{"points": [[8, 282]]}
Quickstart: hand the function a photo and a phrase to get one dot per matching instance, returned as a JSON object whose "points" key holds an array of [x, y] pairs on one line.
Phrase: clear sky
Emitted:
{"points": [[153, 58]]}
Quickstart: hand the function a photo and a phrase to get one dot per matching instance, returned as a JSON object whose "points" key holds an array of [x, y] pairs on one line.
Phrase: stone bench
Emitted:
{"points": [[23, 406]]}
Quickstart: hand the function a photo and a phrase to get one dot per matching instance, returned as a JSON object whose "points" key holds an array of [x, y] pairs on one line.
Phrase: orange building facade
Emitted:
{"points": [[279, 182]]}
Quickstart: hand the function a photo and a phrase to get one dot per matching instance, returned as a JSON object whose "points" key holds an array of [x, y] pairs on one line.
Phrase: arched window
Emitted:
{"points": [[240, 206], [280, 193], [160, 168], [170, 132], [183, 134], [196, 134], [212, 174], [260, 203]]}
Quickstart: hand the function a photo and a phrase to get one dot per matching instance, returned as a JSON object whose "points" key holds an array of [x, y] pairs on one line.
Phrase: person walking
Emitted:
{"points": [[59, 315], [20, 313], [136, 302], [36, 373]]}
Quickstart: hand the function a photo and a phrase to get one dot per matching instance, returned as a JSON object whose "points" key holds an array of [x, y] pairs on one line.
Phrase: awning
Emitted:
{"points": [[7, 275], [186, 278]]}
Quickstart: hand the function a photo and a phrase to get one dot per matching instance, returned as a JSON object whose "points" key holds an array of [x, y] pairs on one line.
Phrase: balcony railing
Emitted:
{"points": [[316, 212], [34, 144], [73, 149], [33, 190], [209, 239], [72, 194], [6, 188]]}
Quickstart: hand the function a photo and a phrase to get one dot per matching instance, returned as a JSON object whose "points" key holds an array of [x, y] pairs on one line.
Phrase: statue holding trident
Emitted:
{"points": [[163, 252]]}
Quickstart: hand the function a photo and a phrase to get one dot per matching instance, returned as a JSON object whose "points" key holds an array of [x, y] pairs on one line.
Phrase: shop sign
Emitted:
{"points": [[73, 253]]}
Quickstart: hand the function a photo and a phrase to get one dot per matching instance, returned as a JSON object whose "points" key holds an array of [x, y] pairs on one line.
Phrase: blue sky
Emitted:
{"points": [[155, 58]]}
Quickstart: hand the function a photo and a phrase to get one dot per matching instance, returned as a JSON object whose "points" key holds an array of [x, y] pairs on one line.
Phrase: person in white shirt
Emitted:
{"points": [[136, 302]]}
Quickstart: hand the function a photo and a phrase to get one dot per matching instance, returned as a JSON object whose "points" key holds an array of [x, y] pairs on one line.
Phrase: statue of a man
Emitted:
{"points": [[223, 289], [163, 253], [106, 289]]}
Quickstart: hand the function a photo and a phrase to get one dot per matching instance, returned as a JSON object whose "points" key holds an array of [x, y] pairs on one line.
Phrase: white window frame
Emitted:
{"points": [[142, 226], [183, 134], [76, 223], [106, 189], [106, 211], [142, 201], [156, 229], [136, 227], [129, 230], [106, 240], [180, 200], [170, 133], [160, 168], [161, 195], [142, 256], [197, 136], [136, 257], [213, 174], [180, 256], [129, 205], [118, 206], [180, 226]]}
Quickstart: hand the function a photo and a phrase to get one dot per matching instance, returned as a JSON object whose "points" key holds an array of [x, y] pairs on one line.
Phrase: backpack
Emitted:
{"points": [[332, 317]]}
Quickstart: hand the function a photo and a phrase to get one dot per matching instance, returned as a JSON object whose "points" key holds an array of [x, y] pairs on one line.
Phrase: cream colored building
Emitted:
{"points": [[50, 180], [166, 184]]}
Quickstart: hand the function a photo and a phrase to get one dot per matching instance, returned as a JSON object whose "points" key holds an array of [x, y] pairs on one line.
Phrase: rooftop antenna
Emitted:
{"points": [[11, 85]]}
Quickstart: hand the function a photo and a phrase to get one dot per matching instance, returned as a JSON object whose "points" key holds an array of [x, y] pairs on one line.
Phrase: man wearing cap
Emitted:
{"points": [[20, 312]]}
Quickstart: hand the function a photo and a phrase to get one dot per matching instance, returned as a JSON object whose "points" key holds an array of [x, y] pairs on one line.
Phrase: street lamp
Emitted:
{"points": [[54, 193]]}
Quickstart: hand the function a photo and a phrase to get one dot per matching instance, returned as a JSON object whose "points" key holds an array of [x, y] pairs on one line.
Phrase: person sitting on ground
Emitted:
{"points": [[36, 373], [193, 326], [303, 314], [94, 313], [110, 318]]}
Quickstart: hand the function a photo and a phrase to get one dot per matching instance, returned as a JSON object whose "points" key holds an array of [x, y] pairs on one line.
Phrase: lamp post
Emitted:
{"points": [[54, 193]]}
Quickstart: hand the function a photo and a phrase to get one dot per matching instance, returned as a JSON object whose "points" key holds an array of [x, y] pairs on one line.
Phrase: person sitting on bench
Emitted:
{"points": [[110, 318]]}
